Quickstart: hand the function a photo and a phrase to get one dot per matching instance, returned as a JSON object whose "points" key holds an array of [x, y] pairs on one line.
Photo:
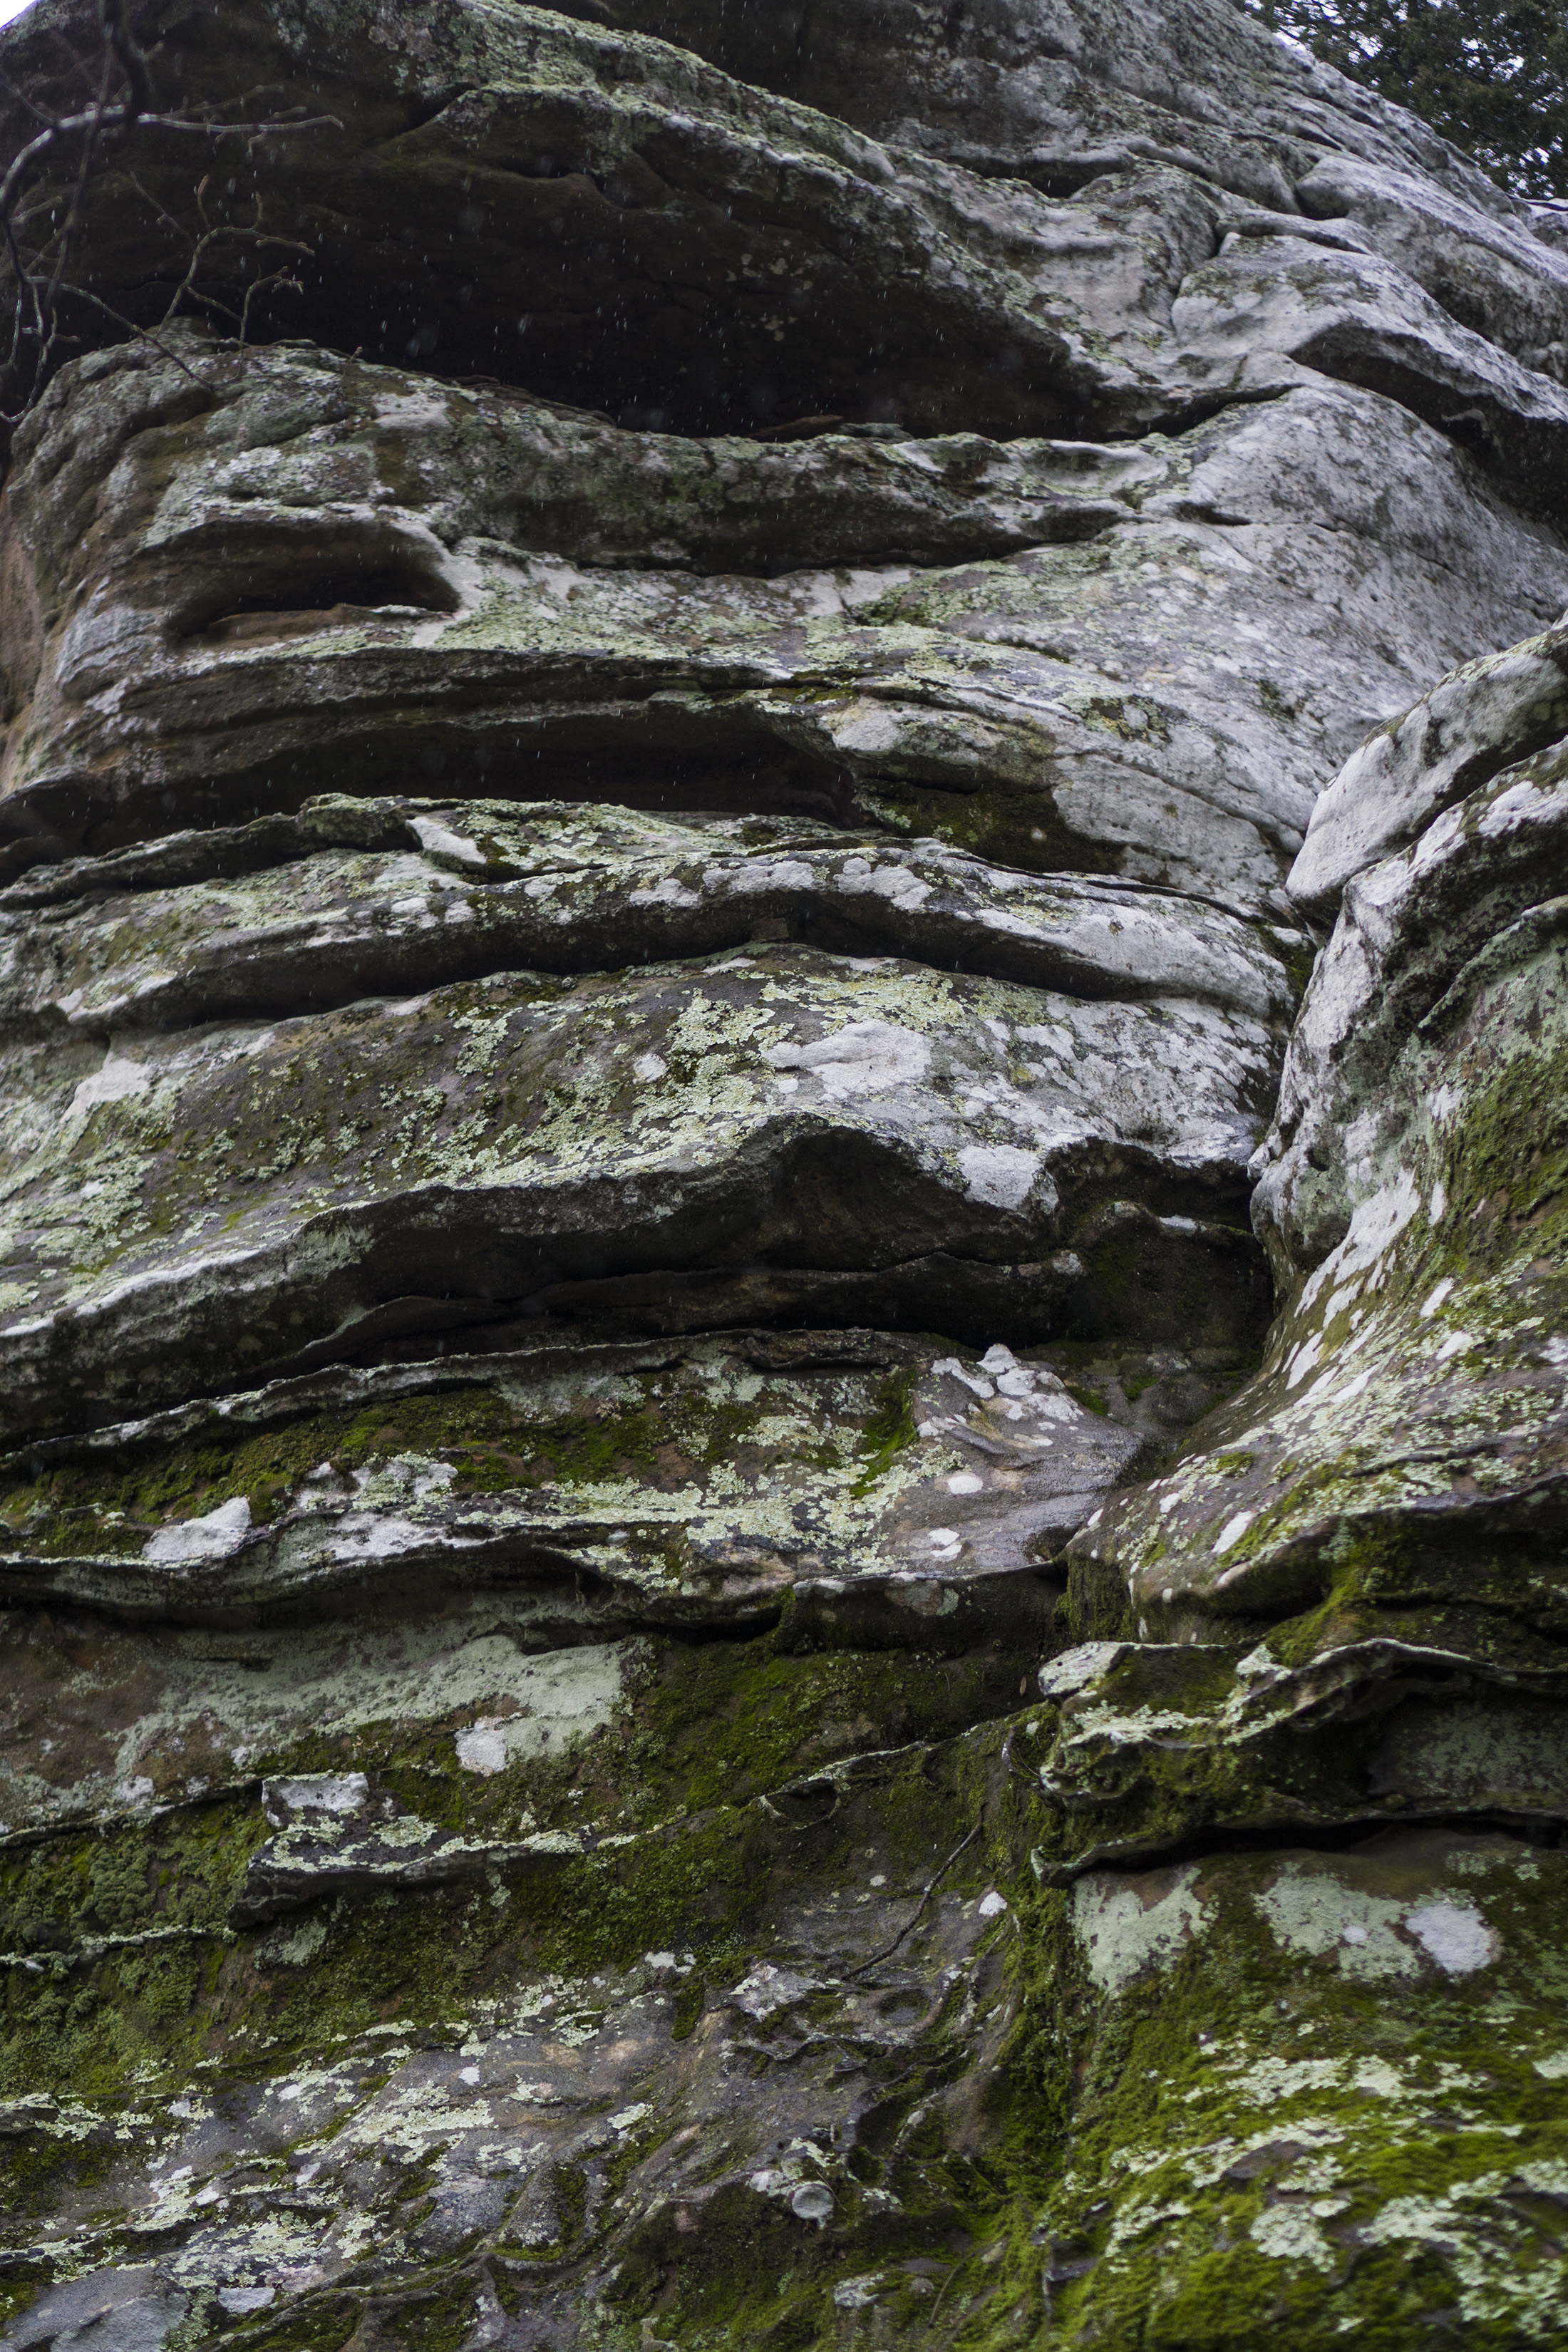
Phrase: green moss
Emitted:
{"points": [[317, 2324], [690, 2003], [720, 1722], [892, 1428], [704, 1729], [145, 1488], [86, 2016], [1242, 2064], [1097, 1607], [1506, 1161], [1013, 827], [1091, 2108], [637, 1425]]}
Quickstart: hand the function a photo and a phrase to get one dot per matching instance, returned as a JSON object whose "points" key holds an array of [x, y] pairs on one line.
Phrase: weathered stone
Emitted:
{"points": [[1270, 302], [610, 203], [684, 1484], [1059, 90], [1471, 726], [1489, 273], [311, 913], [1277, 2130], [677, 1145], [1154, 697], [679, 1667], [1381, 1506]]}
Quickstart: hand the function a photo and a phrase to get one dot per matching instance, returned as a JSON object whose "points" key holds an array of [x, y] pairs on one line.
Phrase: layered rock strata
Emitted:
{"points": [[780, 1278]]}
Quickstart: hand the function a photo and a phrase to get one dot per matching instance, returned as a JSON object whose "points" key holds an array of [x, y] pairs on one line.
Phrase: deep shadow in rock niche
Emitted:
{"points": [[571, 232], [633, 761], [629, 758]]}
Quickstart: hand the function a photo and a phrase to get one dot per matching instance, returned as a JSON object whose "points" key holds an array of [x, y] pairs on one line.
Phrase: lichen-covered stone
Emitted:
{"points": [[1266, 2041], [244, 579], [671, 1143], [1471, 726], [354, 892], [1382, 1504], [679, 1667]]}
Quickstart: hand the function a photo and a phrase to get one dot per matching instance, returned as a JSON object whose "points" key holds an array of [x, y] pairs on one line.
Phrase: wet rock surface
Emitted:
{"points": [[782, 1339]]}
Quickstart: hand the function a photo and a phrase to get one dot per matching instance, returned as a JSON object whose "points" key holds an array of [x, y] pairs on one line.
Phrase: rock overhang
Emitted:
{"points": [[1045, 706]]}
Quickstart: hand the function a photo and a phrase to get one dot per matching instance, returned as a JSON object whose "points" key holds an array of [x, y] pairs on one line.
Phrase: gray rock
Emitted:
{"points": [[1489, 273], [1221, 630], [643, 1143], [310, 915], [1060, 93], [133, 2309], [1398, 1458], [1473, 724], [1269, 305], [848, 738]]}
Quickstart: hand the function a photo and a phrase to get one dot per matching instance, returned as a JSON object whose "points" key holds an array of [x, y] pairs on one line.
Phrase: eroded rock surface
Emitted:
{"points": [[851, 743]]}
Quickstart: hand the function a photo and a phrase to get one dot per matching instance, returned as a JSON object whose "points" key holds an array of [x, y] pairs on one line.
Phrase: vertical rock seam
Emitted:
{"points": [[784, 1183]]}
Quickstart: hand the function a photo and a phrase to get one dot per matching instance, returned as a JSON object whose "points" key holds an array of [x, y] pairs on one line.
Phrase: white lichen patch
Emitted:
{"points": [[1125, 1928], [558, 1697], [1312, 1909]]}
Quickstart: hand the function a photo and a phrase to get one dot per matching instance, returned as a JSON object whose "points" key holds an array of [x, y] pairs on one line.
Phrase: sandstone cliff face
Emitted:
{"points": [[781, 1205]]}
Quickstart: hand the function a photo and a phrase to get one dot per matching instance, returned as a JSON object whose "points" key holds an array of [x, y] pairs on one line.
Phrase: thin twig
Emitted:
{"points": [[927, 1891], [73, 212], [942, 2292], [278, 280], [41, 266], [143, 334], [22, 280], [9, 88], [128, 55]]}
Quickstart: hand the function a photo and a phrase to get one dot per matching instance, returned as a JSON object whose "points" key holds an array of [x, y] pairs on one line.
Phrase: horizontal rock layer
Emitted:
{"points": [[681, 1665]]}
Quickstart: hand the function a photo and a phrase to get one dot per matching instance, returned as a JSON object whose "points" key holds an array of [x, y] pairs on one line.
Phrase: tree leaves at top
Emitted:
{"points": [[1490, 74]]}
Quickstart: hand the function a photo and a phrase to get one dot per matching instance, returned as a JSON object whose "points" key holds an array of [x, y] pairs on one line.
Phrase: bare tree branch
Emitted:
{"points": [[212, 235], [130, 57], [39, 243]]}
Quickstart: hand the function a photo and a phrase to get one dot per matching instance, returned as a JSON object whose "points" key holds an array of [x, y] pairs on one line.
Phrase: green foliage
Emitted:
{"points": [[1490, 74]]}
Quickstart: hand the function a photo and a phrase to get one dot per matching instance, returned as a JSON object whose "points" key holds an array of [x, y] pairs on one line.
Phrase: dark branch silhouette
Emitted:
{"points": [[39, 223]]}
